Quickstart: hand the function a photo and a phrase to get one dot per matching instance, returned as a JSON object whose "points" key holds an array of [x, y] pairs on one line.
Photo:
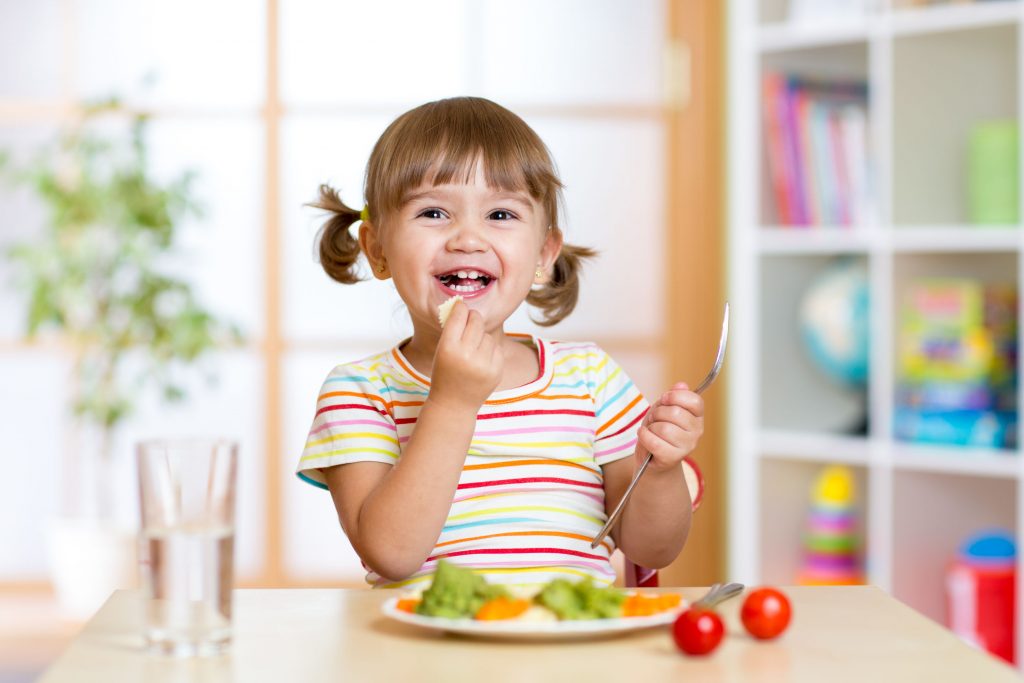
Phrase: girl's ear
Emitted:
{"points": [[550, 250], [371, 246]]}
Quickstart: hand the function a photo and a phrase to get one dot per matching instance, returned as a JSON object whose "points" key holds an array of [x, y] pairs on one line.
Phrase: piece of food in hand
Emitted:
{"points": [[445, 309], [457, 592], [502, 608], [581, 600], [698, 631], [766, 613]]}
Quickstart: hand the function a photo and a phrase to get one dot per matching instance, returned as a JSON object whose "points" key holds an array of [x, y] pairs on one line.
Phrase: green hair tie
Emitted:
{"points": [[364, 215]]}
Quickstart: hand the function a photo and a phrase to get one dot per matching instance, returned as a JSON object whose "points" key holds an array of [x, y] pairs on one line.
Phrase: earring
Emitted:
{"points": [[381, 268], [538, 273]]}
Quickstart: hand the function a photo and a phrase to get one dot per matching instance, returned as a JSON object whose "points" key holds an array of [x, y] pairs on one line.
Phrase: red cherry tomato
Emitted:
{"points": [[698, 631], [766, 613]]}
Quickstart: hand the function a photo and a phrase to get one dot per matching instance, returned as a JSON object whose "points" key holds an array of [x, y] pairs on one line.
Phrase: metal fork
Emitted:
{"points": [[704, 384], [718, 593]]}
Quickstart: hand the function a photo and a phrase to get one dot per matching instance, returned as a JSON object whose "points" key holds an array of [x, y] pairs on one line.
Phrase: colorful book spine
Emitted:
{"points": [[815, 137], [794, 156], [773, 108]]}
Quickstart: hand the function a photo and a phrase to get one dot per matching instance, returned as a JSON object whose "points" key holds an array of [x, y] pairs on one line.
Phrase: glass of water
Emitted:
{"points": [[187, 492]]}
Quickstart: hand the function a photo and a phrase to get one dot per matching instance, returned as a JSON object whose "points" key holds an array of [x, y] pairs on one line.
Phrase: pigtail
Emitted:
{"points": [[557, 297], [339, 249]]}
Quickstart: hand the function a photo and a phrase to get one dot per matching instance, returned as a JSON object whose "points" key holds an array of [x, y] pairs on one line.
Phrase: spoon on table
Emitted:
{"points": [[704, 384]]}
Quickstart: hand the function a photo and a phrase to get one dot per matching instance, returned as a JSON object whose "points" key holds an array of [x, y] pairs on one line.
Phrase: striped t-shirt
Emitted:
{"points": [[530, 498]]}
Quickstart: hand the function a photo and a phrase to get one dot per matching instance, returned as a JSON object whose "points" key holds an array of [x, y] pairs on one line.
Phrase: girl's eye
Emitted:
{"points": [[501, 215], [435, 214]]}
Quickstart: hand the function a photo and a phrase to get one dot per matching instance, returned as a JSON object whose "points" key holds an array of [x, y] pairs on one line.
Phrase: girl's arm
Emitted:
{"points": [[654, 526], [393, 515]]}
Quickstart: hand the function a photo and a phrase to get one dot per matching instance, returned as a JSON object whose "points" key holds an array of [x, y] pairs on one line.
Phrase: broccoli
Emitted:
{"points": [[581, 600], [456, 592]]}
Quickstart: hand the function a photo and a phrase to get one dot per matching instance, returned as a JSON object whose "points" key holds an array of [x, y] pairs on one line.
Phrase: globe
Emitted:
{"points": [[834, 322]]}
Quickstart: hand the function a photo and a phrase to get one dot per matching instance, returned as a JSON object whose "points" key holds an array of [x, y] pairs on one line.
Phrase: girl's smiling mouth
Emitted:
{"points": [[465, 281]]}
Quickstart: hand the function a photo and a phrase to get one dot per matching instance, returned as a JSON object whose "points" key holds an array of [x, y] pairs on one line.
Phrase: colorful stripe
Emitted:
{"points": [[530, 496]]}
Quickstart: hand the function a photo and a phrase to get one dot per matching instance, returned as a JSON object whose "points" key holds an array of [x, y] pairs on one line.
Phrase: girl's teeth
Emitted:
{"points": [[466, 288]]}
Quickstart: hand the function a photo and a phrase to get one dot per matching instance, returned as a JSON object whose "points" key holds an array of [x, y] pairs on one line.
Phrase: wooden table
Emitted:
{"points": [[837, 634]]}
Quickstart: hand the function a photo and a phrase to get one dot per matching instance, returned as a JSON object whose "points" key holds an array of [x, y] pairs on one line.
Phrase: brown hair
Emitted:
{"points": [[445, 140]]}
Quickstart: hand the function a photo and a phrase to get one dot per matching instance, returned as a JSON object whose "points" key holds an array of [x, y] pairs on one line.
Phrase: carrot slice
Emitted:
{"points": [[502, 608], [407, 604], [641, 605]]}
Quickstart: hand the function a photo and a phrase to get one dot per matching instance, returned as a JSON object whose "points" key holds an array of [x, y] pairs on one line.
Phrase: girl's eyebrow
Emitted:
{"points": [[438, 193], [422, 194], [518, 197]]}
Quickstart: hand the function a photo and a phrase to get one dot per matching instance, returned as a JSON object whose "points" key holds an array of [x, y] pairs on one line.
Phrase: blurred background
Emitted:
{"points": [[132, 297], [844, 172]]}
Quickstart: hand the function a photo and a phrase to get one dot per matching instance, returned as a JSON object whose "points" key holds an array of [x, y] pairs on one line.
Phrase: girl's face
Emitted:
{"points": [[469, 239]]}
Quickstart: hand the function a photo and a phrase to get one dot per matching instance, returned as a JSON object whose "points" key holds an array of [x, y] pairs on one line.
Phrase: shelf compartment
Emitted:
{"points": [[978, 462], [786, 500], [956, 238], [815, 133], [778, 444], [957, 398], [989, 267], [939, 97], [933, 513], [795, 395], [785, 36], [788, 240], [907, 21]]}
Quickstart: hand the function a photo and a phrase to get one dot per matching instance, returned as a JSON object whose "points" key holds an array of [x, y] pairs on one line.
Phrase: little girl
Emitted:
{"points": [[500, 452]]}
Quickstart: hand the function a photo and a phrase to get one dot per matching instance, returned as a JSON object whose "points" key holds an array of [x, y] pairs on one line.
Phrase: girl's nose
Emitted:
{"points": [[466, 236]]}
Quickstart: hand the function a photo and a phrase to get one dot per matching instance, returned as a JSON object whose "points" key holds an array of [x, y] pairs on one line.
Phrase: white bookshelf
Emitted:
{"points": [[932, 72]]}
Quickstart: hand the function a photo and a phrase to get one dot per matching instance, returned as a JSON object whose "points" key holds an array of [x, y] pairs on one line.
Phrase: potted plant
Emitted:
{"points": [[97, 276]]}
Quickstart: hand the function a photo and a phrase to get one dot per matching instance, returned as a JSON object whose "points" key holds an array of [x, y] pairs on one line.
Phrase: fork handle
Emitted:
{"points": [[614, 517], [719, 593]]}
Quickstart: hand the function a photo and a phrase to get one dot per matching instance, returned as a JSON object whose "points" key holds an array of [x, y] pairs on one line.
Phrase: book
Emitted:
{"points": [[815, 148]]}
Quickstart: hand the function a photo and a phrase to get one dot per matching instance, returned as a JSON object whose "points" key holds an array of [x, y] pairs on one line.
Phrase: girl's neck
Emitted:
{"points": [[521, 366]]}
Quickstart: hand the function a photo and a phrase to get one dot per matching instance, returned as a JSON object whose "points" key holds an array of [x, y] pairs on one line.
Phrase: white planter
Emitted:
{"points": [[89, 559]]}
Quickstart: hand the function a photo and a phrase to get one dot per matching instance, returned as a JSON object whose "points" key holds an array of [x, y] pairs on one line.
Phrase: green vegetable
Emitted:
{"points": [[457, 592], [581, 600]]}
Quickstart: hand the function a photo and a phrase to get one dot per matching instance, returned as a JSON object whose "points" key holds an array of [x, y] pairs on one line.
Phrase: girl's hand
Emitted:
{"points": [[467, 363], [671, 429]]}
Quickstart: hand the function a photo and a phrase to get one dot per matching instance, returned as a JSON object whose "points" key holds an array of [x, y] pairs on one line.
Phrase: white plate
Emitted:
{"points": [[532, 630]]}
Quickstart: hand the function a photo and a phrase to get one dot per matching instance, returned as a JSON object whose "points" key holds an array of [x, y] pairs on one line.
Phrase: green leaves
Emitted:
{"points": [[98, 274]]}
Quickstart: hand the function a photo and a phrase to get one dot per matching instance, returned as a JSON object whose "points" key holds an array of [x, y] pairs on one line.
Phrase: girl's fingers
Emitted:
{"points": [[666, 451], [684, 399], [672, 434], [674, 415], [658, 447], [456, 323], [474, 330]]}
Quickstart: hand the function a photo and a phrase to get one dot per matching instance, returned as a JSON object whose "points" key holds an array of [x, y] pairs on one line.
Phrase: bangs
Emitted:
{"points": [[444, 142]]}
